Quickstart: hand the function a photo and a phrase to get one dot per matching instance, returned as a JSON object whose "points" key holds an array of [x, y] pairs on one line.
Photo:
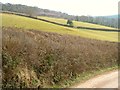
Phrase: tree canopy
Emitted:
{"points": [[69, 22]]}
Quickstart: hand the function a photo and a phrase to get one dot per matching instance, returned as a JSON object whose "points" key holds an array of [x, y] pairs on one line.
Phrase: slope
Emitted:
{"points": [[10, 20], [76, 23]]}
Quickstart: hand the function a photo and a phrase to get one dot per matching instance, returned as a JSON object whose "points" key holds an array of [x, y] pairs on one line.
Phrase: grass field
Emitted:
{"points": [[9, 20], [75, 23]]}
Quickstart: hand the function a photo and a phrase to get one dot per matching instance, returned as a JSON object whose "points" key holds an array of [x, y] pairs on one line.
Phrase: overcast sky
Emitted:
{"points": [[74, 7]]}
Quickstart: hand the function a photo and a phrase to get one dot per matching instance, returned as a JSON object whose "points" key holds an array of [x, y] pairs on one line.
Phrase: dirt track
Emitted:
{"points": [[107, 80]]}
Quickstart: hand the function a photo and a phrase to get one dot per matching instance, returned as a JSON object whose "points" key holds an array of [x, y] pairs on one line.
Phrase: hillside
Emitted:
{"points": [[18, 8], [39, 53], [10, 20], [75, 23], [35, 11], [32, 58]]}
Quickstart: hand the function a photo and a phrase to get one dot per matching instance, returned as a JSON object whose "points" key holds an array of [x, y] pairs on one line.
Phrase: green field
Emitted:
{"points": [[75, 23], [9, 20]]}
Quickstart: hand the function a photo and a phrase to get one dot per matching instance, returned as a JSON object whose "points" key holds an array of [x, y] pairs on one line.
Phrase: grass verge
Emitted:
{"points": [[85, 76]]}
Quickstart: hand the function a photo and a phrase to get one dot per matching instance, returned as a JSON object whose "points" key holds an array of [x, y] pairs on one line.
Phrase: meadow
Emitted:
{"points": [[10, 20], [75, 23]]}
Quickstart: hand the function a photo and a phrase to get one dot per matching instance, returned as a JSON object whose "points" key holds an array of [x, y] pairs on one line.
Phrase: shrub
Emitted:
{"points": [[35, 58]]}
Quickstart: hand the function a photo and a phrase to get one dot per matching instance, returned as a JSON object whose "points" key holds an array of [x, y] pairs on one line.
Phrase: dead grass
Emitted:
{"points": [[34, 58]]}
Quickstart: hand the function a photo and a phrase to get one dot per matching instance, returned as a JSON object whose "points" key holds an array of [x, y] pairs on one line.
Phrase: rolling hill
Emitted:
{"points": [[9, 20], [38, 54], [75, 23], [18, 8]]}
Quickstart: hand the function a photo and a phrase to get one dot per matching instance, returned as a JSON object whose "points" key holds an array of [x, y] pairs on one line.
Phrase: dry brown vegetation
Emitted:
{"points": [[35, 58]]}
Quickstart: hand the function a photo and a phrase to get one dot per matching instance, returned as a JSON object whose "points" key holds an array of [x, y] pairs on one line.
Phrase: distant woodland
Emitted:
{"points": [[35, 11]]}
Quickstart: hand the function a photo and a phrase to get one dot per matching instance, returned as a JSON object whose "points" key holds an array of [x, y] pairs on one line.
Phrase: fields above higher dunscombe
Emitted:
{"points": [[75, 23], [10, 20]]}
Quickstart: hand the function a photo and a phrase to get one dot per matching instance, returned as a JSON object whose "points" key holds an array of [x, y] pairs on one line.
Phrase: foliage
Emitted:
{"points": [[46, 59], [69, 22]]}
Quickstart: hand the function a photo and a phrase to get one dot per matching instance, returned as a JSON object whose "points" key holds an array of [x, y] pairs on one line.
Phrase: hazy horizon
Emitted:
{"points": [[74, 7]]}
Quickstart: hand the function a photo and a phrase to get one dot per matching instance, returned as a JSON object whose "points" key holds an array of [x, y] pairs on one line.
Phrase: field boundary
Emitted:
{"points": [[77, 27]]}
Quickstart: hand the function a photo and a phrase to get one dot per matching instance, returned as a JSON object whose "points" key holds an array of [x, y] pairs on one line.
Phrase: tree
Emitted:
{"points": [[69, 22], [77, 18]]}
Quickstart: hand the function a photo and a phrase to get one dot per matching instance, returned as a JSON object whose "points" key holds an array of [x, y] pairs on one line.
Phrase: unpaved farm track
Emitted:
{"points": [[107, 80]]}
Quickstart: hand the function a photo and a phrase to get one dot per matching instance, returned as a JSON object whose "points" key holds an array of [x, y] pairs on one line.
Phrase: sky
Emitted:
{"points": [[74, 7]]}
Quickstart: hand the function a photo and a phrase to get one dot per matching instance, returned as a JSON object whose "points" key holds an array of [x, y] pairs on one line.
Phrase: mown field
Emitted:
{"points": [[75, 23], [33, 58], [9, 20]]}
